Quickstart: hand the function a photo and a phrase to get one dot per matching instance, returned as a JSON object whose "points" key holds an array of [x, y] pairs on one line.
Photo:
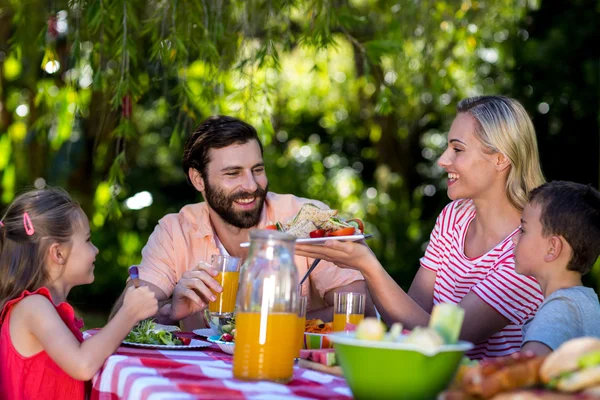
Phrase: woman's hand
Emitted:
{"points": [[356, 255], [194, 291]]}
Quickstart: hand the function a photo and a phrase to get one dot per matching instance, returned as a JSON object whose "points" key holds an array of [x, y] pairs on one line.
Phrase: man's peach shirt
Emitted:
{"points": [[180, 241]]}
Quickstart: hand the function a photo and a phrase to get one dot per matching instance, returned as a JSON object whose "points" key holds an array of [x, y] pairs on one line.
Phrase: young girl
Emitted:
{"points": [[45, 250], [492, 164]]}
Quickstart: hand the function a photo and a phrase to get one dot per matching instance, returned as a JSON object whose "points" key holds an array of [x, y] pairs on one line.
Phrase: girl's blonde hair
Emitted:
{"points": [[504, 126], [32, 223]]}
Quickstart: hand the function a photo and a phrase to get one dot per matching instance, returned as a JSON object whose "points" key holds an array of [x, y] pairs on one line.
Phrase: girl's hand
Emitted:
{"points": [[194, 291], [140, 303], [356, 255]]}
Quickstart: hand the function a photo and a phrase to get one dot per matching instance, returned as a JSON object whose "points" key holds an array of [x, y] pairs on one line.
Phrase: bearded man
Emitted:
{"points": [[223, 160]]}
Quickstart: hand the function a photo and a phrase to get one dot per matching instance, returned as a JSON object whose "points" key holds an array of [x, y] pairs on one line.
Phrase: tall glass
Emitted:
{"points": [[267, 309], [302, 301], [228, 277], [348, 308]]}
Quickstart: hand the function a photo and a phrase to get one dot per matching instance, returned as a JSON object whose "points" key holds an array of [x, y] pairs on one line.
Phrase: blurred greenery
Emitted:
{"points": [[352, 99]]}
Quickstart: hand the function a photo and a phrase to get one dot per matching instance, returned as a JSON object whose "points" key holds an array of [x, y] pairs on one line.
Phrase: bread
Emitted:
{"points": [[566, 357], [308, 213], [580, 380]]}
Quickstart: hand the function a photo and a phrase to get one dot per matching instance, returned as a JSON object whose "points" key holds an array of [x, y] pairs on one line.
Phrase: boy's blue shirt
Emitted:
{"points": [[564, 315]]}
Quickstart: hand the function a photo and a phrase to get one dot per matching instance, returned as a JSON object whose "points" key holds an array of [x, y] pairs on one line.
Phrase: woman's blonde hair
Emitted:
{"points": [[504, 126]]}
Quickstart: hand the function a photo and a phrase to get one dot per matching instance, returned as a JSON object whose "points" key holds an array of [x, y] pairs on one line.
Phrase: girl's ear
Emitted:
{"points": [[57, 254]]}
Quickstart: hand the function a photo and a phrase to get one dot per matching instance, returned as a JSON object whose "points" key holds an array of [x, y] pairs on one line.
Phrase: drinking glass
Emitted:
{"points": [[348, 310], [302, 301], [229, 276]]}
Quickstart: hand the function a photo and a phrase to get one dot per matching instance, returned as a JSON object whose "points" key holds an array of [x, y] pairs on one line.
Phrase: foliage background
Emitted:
{"points": [[352, 99]]}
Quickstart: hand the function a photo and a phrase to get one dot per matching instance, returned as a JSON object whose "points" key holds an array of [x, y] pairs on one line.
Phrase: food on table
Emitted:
{"points": [[313, 222], [571, 370], [426, 338], [147, 332], [574, 366], [447, 320], [370, 329], [395, 331], [321, 356], [229, 332], [497, 375], [444, 328], [318, 326]]}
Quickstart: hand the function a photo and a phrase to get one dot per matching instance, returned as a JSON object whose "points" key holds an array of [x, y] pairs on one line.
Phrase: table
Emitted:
{"points": [[149, 374]]}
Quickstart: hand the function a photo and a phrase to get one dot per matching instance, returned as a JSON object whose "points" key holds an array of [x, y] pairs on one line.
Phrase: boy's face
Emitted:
{"points": [[531, 245]]}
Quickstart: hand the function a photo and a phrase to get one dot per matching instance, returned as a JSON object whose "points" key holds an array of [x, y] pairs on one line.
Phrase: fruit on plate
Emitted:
{"points": [[321, 356]]}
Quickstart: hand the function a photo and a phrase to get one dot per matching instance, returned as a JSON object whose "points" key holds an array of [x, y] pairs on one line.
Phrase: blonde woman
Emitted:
{"points": [[492, 164]]}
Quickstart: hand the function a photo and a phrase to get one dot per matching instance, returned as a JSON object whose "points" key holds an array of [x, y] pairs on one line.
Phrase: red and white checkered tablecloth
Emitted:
{"points": [[149, 374]]}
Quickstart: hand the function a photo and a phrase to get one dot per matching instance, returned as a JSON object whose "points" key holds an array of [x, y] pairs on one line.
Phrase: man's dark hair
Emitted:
{"points": [[216, 132], [571, 210]]}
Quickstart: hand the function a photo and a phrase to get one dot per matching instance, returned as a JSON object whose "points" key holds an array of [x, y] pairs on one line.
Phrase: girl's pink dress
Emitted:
{"points": [[36, 377]]}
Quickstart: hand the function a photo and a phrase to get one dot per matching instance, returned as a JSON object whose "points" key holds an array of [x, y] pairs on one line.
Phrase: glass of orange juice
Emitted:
{"points": [[229, 276], [348, 308], [302, 301]]}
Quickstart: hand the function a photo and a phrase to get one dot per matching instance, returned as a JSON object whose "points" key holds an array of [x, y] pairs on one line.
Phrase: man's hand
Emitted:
{"points": [[193, 292]]}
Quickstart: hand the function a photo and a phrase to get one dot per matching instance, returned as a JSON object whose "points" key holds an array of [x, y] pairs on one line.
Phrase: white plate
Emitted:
{"points": [[206, 332], [321, 240], [194, 344]]}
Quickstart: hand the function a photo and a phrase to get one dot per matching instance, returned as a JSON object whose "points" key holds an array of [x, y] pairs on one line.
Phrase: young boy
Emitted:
{"points": [[559, 241]]}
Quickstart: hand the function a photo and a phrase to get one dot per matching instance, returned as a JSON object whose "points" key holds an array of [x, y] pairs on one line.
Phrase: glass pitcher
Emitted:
{"points": [[266, 311]]}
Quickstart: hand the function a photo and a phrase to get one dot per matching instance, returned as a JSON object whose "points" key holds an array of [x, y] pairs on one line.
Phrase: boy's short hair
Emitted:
{"points": [[571, 210]]}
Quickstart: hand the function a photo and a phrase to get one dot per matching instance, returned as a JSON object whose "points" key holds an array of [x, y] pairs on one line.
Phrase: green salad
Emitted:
{"points": [[145, 332]]}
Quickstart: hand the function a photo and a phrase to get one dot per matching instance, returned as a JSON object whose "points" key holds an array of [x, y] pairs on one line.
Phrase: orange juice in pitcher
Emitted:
{"points": [[266, 313], [261, 352]]}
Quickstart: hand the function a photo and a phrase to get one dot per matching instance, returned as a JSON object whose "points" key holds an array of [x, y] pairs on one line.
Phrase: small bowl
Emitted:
{"points": [[217, 321], [396, 370], [226, 347], [315, 341]]}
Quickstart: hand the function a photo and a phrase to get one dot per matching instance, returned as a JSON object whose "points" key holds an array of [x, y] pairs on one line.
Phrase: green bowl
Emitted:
{"points": [[395, 370]]}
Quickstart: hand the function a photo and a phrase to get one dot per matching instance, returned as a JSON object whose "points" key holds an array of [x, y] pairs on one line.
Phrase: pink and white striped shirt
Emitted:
{"points": [[491, 276]]}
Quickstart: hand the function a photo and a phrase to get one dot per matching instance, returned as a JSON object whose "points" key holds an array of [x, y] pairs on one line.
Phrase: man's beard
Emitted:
{"points": [[223, 205]]}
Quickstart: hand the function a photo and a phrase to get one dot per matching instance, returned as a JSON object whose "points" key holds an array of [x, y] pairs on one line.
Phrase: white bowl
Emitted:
{"points": [[226, 347]]}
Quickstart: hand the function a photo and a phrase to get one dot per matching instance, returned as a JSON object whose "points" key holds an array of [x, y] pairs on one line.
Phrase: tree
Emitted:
{"points": [[351, 98]]}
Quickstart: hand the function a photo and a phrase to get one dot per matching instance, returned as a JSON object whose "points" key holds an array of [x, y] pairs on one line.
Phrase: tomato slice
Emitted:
{"points": [[271, 227], [185, 340], [358, 224], [343, 232], [317, 233]]}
